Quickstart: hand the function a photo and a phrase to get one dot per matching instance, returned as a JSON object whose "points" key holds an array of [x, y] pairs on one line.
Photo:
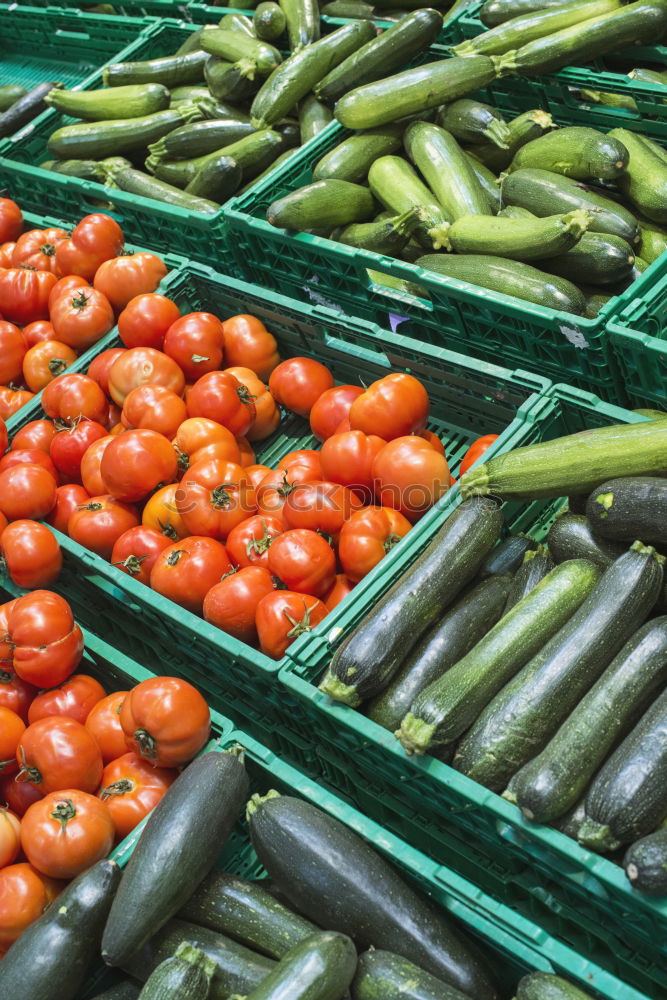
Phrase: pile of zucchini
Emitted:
{"points": [[19, 106], [539, 671]]}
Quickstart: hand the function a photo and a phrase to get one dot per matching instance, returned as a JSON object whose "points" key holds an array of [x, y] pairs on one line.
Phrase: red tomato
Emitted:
{"points": [[26, 491], [36, 434], [136, 463], [282, 617], [11, 400], [303, 561], [410, 476], [91, 460], [224, 451], [477, 448], [12, 352], [24, 294], [38, 332], [367, 537], [392, 407], [212, 473], [155, 408], [6, 251], [66, 285], [10, 837], [70, 445], [67, 832], [247, 452], [196, 433], [434, 441], [103, 723], [15, 694], [304, 457], [298, 383], [74, 699], [43, 362], [6, 644], [332, 407], [342, 586], [145, 320], [232, 603], [221, 397], [123, 278], [11, 220], [4, 437], [47, 644], [348, 458], [31, 554], [143, 366], [161, 513], [186, 571], [215, 512], [57, 752], [248, 543], [166, 721], [24, 895], [37, 249], [255, 474], [196, 343], [267, 414], [99, 523], [12, 728], [131, 788], [249, 343], [68, 498], [18, 794], [82, 317], [321, 506], [95, 239], [101, 366], [69, 397], [28, 456], [136, 550]]}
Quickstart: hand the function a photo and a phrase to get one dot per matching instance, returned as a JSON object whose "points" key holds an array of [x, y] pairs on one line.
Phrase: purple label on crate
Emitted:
{"points": [[395, 320]]}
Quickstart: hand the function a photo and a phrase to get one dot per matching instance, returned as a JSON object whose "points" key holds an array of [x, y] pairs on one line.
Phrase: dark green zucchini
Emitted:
{"points": [[272, 166], [10, 93], [200, 138], [595, 300], [571, 537], [623, 509], [446, 169], [488, 182], [303, 22], [319, 968], [253, 154], [54, 952], [387, 236], [179, 844], [191, 43], [125, 990], [90, 170], [172, 71], [137, 182], [348, 8], [191, 93], [370, 656], [547, 193], [576, 152], [351, 159], [570, 822], [382, 975], [511, 277], [227, 81], [246, 911], [329, 874], [645, 864], [553, 782], [132, 101], [528, 711], [187, 974], [645, 180], [473, 122], [442, 646], [269, 21], [395, 184], [252, 54], [522, 129], [217, 180], [596, 258], [322, 205], [445, 709], [536, 564], [313, 117], [546, 986], [520, 239], [25, 109], [389, 51], [495, 12], [237, 22], [508, 555], [237, 968], [95, 140]]}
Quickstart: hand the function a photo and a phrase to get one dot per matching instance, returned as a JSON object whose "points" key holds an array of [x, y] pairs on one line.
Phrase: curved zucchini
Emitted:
{"points": [[553, 782], [577, 152], [303, 22], [322, 205], [200, 808], [645, 864], [269, 21], [137, 182], [597, 258], [396, 185], [645, 180], [389, 51], [297, 76], [351, 159], [444, 710], [442, 646], [522, 129], [319, 968], [313, 117], [237, 47], [187, 973], [381, 975], [131, 101], [172, 71], [519, 239], [25, 109], [473, 122], [528, 711], [495, 12], [414, 91], [217, 180], [252, 154], [571, 537], [536, 564], [623, 509], [228, 82], [386, 236], [199, 138], [10, 93], [446, 169], [332, 876], [96, 140], [370, 656], [512, 277], [546, 986]]}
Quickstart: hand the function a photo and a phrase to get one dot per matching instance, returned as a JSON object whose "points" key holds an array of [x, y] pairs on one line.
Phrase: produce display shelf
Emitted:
{"points": [[577, 896], [639, 342], [123, 8], [515, 946], [468, 399]]}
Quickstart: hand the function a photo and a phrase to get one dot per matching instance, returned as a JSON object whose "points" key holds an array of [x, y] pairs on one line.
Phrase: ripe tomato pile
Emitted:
{"points": [[79, 768], [59, 294]]}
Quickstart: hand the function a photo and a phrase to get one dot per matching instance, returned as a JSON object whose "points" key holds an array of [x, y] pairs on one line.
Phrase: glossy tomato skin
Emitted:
{"points": [[282, 617], [367, 537], [320, 506], [81, 318], [477, 448], [255, 474], [75, 699], [154, 407], [166, 721], [100, 367], [391, 407], [72, 396], [45, 361], [267, 413], [145, 320], [36, 434], [90, 467], [68, 498], [31, 456], [136, 550], [11, 400], [308, 457], [47, 644], [32, 554], [17, 795], [232, 603], [274, 489], [248, 456], [342, 586], [227, 451], [303, 561], [433, 440], [11, 220], [12, 728], [24, 294], [249, 542], [38, 332], [26, 491], [70, 445], [348, 457], [37, 249], [298, 383], [24, 895], [94, 239], [221, 397], [58, 752], [136, 463], [332, 407], [123, 278], [15, 693], [103, 723], [66, 285], [6, 251], [410, 476], [10, 837], [216, 512], [131, 788], [212, 473], [186, 571], [143, 366], [249, 343], [4, 437], [66, 832], [197, 433], [161, 513], [99, 523], [196, 343], [12, 353]]}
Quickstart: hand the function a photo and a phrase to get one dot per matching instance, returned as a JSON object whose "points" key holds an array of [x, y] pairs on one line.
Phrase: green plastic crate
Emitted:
{"points": [[639, 341], [515, 945], [468, 399], [578, 896], [125, 8]]}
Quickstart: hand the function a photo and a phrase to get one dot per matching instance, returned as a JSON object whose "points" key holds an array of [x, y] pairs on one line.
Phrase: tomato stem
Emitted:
{"points": [[220, 497], [57, 365], [121, 787], [80, 301], [146, 744], [6, 763], [64, 812], [30, 774], [48, 249], [298, 628], [132, 564], [245, 395], [390, 541], [168, 529], [196, 358]]}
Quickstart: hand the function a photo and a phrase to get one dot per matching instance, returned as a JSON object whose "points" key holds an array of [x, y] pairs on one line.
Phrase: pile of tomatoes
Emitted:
{"points": [[79, 768], [59, 294]]}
